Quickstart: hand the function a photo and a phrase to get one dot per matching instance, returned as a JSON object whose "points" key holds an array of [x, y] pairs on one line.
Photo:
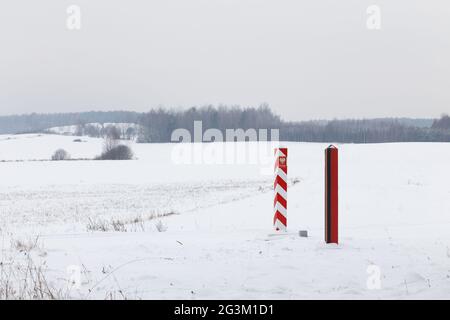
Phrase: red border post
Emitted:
{"points": [[331, 194], [280, 187]]}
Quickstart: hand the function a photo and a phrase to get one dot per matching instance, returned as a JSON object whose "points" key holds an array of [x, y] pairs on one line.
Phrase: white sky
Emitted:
{"points": [[307, 59]]}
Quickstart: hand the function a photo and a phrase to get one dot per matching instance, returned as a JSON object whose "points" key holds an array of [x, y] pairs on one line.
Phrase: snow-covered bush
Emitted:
{"points": [[160, 226], [60, 154], [120, 152]]}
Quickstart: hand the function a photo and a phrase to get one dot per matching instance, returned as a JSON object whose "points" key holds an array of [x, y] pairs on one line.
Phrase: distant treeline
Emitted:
{"points": [[37, 122], [363, 131], [157, 125]]}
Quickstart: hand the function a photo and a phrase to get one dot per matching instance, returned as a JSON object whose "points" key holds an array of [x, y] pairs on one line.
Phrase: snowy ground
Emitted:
{"points": [[215, 237]]}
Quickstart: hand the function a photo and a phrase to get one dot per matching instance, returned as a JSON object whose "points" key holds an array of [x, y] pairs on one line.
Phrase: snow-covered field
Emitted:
{"points": [[151, 228]]}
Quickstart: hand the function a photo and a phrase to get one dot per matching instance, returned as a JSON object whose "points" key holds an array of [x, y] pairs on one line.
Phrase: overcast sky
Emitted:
{"points": [[307, 59]]}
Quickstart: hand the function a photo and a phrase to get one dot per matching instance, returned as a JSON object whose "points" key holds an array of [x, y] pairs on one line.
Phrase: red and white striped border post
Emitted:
{"points": [[280, 188]]}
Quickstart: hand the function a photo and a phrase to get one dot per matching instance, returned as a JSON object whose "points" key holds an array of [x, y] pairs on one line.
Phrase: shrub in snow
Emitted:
{"points": [[160, 226], [26, 280], [60, 154], [121, 152]]}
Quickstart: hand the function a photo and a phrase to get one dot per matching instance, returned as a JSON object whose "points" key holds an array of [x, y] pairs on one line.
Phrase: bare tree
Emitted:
{"points": [[130, 133], [112, 138]]}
